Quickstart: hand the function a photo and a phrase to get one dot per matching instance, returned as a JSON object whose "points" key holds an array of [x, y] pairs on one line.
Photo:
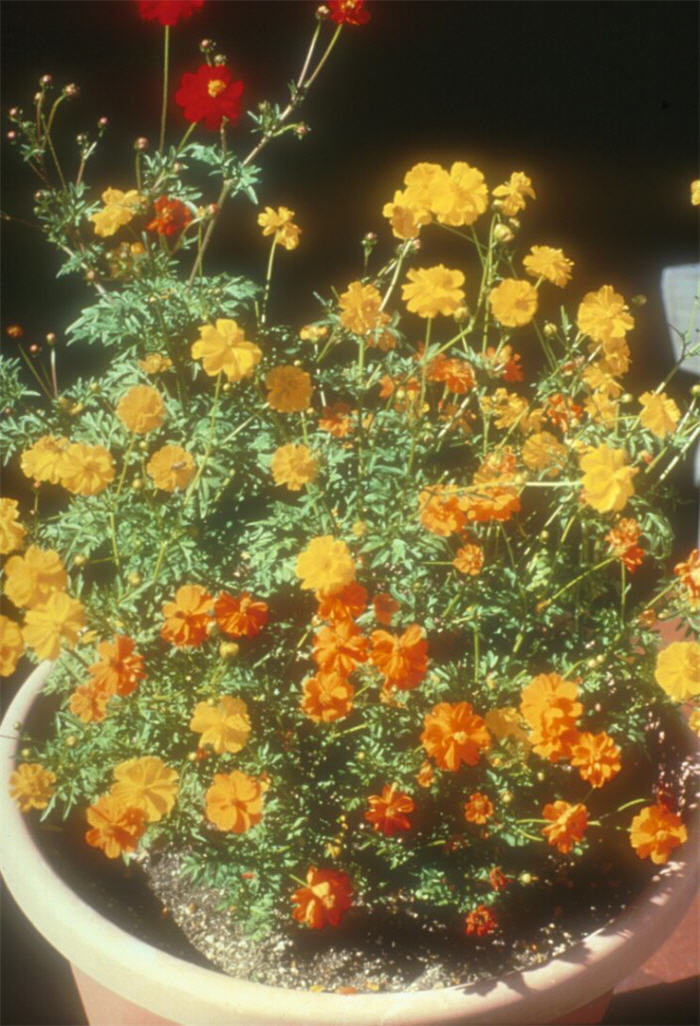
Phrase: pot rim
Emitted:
{"points": [[173, 988]]}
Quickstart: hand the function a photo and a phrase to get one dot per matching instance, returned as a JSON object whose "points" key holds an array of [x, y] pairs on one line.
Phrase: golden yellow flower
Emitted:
{"points": [[660, 414], [549, 263], [361, 309], [406, 221], [289, 389], [428, 188], [280, 223], [507, 407], [607, 479], [313, 332], [30, 579], [599, 379], [433, 290], [695, 192], [543, 451], [147, 784], [11, 531], [32, 786], [293, 466], [678, 669], [155, 363], [467, 198], [225, 726], [225, 349], [513, 302], [11, 646], [119, 208], [141, 409], [513, 192], [235, 801], [616, 358], [86, 469], [51, 623], [601, 409], [325, 566], [603, 315], [43, 461], [171, 467]]}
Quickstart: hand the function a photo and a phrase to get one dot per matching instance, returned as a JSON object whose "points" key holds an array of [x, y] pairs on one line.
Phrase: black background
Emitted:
{"points": [[596, 101]]}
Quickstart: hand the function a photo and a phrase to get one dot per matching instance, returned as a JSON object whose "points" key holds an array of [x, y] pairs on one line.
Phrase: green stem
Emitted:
{"points": [[210, 443], [268, 280], [166, 70]]}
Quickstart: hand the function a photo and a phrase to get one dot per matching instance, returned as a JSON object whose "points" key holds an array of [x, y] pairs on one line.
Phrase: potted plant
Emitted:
{"points": [[352, 623]]}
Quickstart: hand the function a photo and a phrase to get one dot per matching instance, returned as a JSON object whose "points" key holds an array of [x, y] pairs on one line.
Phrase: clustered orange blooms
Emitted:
{"points": [[688, 573], [118, 672], [191, 617], [481, 921], [623, 538]]}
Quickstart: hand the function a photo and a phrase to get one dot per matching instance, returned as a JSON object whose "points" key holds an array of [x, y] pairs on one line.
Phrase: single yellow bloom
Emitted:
{"points": [[543, 451], [433, 290], [147, 784], [155, 363], [603, 315], [280, 223], [695, 192], [406, 221], [30, 579], [513, 192], [171, 467], [11, 646], [294, 466], [226, 726], [467, 199], [289, 389], [86, 469], [11, 531], [601, 408], [678, 669], [32, 786], [119, 208], [660, 413], [43, 461], [361, 309], [513, 302], [225, 349], [428, 189], [141, 409], [313, 332], [325, 566], [51, 623], [607, 479], [547, 262]]}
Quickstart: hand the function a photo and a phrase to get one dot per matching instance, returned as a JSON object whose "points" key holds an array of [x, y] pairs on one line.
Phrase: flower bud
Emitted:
{"points": [[38, 97], [51, 339], [695, 390], [71, 741], [514, 222], [7, 410], [550, 329], [134, 579], [220, 60], [13, 113], [137, 484], [502, 233], [46, 81], [39, 195], [34, 349], [506, 797], [14, 330], [71, 90], [322, 12], [81, 138], [102, 123], [227, 387], [11, 135], [79, 560], [301, 130], [639, 300], [626, 398], [229, 649], [26, 753], [90, 276], [206, 45], [213, 209], [461, 314], [141, 143]]}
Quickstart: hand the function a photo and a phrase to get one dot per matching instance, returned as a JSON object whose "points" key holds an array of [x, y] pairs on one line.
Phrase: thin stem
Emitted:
{"points": [[268, 280], [210, 442], [166, 69]]}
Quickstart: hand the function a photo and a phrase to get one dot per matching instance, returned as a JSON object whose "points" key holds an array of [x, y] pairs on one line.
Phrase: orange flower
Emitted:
{"points": [[498, 880], [147, 784], [11, 646], [327, 697], [403, 660], [337, 418], [469, 560], [31, 578], [116, 828], [655, 832], [324, 899], [457, 374], [441, 510], [188, 619], [32, 786], [235, 801], [389, 811], [481, 921], [454, 734], [141, 409], [43, 461], [426, 774], [479, 808], [242, 617], [325, 566], [293, 466], [171, 467], [120, 667], [568, 824], [11, 531], [623, 539], [542, 451], [495, 490], [689, 574], [347, 604], [384, 608], [155, 363], [224, 349], [289, 389], [53, 623], [361, 309], [550, 708], [86, 469], [225, 726], [89, 702], [597, 756], [340, 648]]}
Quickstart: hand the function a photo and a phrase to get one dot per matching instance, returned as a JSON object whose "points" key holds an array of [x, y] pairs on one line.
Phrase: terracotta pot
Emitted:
{"points": [[123, 980]]}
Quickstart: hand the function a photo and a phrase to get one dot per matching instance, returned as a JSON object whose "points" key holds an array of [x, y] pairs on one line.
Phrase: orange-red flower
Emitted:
{"points": [[481, 921], [168, 12], [384, 608], [337, 418], [210, 94], [623, 539], [347, 604], [469, 560], [171, 216], [655, 832], [340, 648], [116, 827], [89, 702], [242, 617], [388, 812], [349, 12], [324, 899], [441, 510], [120, 667], [498, 880], [188, 619], [455, 734], [402, 659], [479, 808], [327, 697], [235, 801], [597, 758], [457, 374], [426, 774], [550, 707], [568, 824], [689, 574]]}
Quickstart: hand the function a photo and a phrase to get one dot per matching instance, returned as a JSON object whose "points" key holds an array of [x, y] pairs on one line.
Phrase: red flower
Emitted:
{"points": [[324, 899], [171, 216], [388, 810], [349, 12], [210, 95], [168, 12], [481, 921]]}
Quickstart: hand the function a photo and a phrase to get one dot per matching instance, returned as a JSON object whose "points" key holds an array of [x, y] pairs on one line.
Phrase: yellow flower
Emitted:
{"points": [[171, 467], [603, 315], [147, 784], [141, 409], [678, 669], [11, 646], [513, 192], [224, 348], [406, 221], [549, 263], [695, 192], [607, 479], [694, 721], [119, 208], [86, 469], [433, 290], [313, 332], [428, 189], [43, 461], [280, 223], [599, 379], [11, 532], [226, 726], [616, 357], [601, 409], [30, 579], [289, 389], [543, 451], [513, 302], [660, 414], [50, 623], [293, 466], [508, 407], [235, 801], [361, 309], [155, 363], [32, 786], [467, 198], [325, 566]]}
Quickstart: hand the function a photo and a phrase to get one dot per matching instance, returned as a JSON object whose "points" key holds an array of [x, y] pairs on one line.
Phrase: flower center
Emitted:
{"points": [[215, 87]]}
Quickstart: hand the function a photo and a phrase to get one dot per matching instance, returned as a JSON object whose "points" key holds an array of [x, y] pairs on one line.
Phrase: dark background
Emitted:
{"points": [[596, 101]]}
